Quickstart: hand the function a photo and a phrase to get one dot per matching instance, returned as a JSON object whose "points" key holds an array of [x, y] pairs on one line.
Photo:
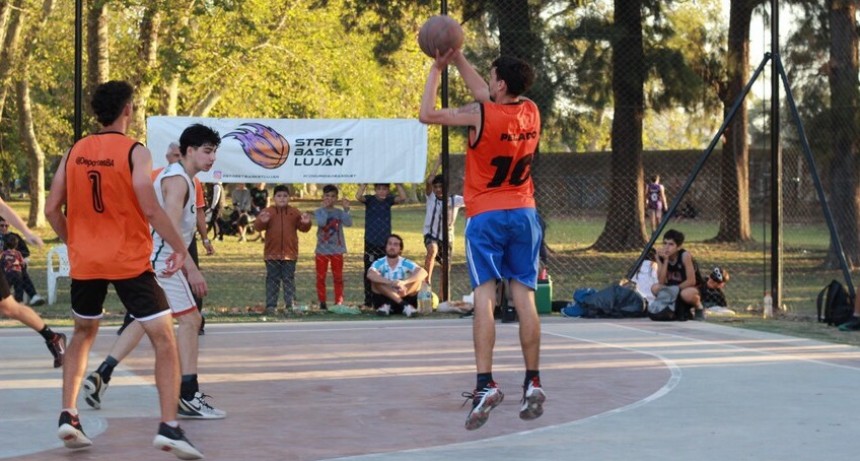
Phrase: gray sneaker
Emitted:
{"points": [[199, 408]]}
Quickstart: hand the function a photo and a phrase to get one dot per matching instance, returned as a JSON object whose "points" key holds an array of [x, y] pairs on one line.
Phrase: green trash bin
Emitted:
{"points": [[543, 296]]}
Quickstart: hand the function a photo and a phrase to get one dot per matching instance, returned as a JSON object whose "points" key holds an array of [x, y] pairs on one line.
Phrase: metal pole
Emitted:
{"points": [[445, 291], [698, 167], [776, 164], [79, 32]]}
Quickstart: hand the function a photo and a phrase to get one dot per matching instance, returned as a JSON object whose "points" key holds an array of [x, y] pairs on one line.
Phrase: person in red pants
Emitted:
{"points": [[331, 243]]}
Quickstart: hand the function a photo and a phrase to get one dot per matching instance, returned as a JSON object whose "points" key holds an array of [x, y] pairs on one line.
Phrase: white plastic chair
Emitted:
{"points": [[56, 270]]}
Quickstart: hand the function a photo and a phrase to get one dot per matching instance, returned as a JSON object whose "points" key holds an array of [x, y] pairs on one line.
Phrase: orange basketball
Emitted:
{"points": [[440, 33]]}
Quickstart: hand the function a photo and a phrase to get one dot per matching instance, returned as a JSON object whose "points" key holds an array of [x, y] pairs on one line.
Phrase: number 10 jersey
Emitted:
{"points": [[499, 158]]}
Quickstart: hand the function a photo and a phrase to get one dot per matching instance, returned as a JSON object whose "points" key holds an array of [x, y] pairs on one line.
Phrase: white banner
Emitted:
{"points": [[304, 151]]}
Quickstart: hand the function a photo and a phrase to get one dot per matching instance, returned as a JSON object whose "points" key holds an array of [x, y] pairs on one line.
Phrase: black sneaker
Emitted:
{"points": [[71, 432], [57, 346], [483, 401], [323, 306], [172, 440], [851, 325]]}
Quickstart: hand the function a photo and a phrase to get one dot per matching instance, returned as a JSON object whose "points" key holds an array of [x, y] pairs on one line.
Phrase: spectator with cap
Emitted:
{"points": [[712, 291]]}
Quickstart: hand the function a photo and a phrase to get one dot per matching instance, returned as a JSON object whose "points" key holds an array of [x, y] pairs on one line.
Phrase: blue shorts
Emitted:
{"points": [[503, 244]]}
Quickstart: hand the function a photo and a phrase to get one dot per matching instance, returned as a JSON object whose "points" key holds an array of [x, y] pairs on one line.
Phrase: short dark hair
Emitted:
{"points": [[674, 235], [517, 74], [330, 188], [109, 99], [11, 241], [400, 239], [438, 179], [281, 188], [655, 178], [197, 135], [385, 184]]}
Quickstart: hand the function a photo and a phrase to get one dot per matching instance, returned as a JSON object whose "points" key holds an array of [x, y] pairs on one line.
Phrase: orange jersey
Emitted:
{"points": [[499, 158], [108, 234], [199, 199]]}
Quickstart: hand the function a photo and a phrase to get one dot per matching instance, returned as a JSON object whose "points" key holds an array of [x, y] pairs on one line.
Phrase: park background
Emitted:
{"points": [[627, 89]]}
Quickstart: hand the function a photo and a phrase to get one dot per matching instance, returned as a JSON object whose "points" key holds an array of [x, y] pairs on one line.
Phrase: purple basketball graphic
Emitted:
{"points": [[262, 144]]}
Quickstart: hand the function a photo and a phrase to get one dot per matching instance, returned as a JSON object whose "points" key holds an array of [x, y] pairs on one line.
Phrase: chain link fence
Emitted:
{"points": [[579, 189]]}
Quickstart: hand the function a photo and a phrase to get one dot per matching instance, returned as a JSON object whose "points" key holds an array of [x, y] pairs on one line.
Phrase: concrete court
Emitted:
{"points": [[390, 390]]}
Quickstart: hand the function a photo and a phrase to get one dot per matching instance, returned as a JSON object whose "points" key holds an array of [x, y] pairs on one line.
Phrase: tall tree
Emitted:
{"points": [[97, 47], [25, 119], [842, 71], [734, 163], [625, 223], [9, 53]]}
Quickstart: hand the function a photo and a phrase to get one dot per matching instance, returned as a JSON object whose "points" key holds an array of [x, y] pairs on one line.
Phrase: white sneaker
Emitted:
{"points": [[36, 300], [385, 310], [409, 311], [199, 408]]}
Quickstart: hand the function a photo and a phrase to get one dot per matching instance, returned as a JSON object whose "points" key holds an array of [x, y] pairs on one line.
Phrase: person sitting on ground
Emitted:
{"points": [[676, 266], [712, 291], [646, 276], [395, 280], [29, 288], [13, 265]]}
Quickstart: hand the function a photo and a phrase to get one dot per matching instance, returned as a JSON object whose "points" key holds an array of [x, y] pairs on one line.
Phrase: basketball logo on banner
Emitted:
{"points": [[262, 144]]}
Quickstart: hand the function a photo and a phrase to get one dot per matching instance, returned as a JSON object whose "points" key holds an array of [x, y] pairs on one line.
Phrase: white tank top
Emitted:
{"points": [[161, 250]]}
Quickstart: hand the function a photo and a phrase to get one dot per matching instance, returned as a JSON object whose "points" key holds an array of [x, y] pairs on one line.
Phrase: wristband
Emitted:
{"points": [[205, 241]]}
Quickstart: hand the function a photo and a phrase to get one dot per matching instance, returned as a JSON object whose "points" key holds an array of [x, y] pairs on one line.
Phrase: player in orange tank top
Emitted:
{"points": [[104, 184], [502, 234]]}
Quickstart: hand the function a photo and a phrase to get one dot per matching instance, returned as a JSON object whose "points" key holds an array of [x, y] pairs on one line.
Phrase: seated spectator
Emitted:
{"points": [[646, 276], [395, 280], [712, 291], [13, 265], [29, 288], [676, 266]]}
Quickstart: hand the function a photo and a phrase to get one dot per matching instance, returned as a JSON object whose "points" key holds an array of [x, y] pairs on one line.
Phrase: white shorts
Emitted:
{"points": [[176, 289]]}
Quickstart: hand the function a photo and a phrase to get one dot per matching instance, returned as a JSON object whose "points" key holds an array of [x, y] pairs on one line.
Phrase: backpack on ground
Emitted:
{"points": [[834, 304], [663, 307]]}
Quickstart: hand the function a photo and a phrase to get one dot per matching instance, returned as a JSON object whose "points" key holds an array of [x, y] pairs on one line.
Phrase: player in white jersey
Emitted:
{"points": [[174, 189]]}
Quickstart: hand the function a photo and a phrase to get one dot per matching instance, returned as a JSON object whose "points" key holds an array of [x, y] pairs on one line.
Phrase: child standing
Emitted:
{"points": [[281, 251], [433, 235], [331, 243], [377, 225]]}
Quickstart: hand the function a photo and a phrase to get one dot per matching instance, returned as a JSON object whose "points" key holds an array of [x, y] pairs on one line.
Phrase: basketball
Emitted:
{"points": [[440, 33]]}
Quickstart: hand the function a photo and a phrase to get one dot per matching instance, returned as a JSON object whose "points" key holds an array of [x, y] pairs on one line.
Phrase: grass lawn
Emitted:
{"points": [[236, 273]]}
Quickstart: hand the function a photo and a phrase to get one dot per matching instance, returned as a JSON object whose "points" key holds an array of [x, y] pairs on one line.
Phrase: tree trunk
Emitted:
{"points": [[98, 50], [5, 15], [144, 80], [516, 38], [625, 222], [734, 164], [202, 108], [844, 105], [9, 53], [26, 127]]}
